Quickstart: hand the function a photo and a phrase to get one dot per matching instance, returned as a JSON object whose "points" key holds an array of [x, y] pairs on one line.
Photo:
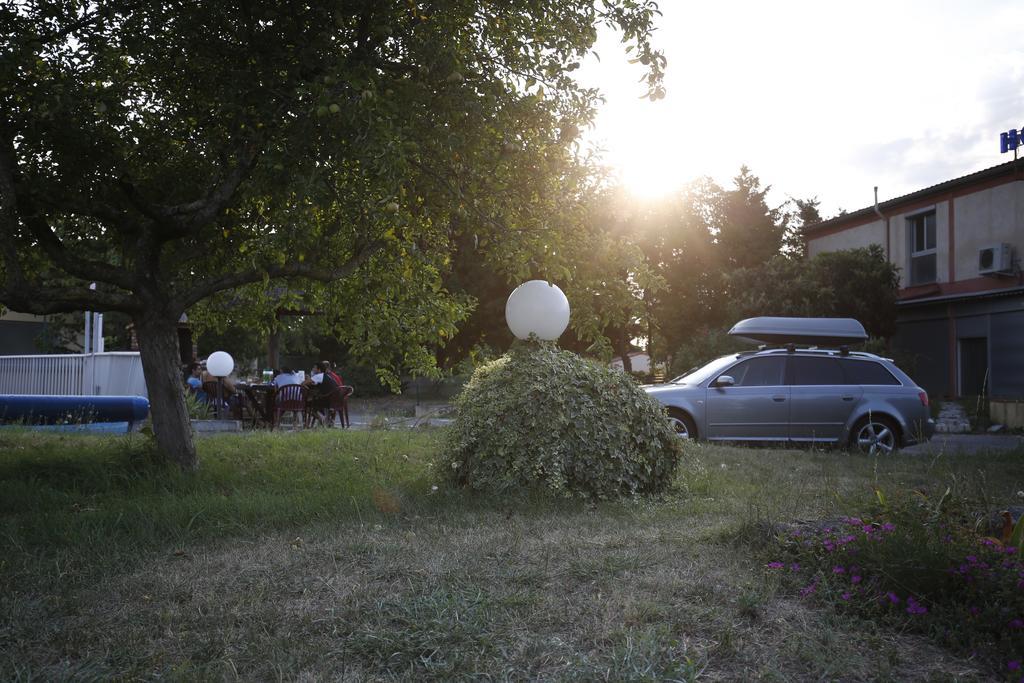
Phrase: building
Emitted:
{"points": [[638, 360], [958, 246], [24, 333]]}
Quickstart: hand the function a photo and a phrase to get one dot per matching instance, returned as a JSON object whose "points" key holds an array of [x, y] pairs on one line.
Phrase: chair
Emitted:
{"points": [[213, 390], [260, 400], [291, 398], [339, 405]]}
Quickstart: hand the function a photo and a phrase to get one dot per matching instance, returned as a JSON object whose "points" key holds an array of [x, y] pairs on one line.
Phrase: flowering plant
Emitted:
{"points": [[917, 564]]}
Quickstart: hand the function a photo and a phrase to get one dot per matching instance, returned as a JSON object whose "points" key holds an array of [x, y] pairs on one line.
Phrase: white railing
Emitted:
{"points": [[118, 373]]}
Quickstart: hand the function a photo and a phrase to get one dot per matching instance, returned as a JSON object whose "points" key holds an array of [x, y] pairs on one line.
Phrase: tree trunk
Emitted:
{"points": [[158, 347], [620, 344]]}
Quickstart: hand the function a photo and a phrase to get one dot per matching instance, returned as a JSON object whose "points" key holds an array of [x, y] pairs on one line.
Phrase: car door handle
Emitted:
{"points": [[848, 398], [778, 399]]}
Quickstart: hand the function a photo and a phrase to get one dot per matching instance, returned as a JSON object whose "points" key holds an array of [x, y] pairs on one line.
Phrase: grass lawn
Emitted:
{"points": [[329, 555]]}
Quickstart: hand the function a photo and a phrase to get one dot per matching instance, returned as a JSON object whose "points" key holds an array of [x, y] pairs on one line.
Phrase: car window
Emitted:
{"points": [[759, 372], [867, 372], [806, 370], [706, 372]]}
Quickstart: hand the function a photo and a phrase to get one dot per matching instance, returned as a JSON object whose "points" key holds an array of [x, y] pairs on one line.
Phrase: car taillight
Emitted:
{"points": [[923, 395]]}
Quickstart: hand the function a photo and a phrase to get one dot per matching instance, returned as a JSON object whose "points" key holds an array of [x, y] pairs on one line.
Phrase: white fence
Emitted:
{"points": [[117, 373]]}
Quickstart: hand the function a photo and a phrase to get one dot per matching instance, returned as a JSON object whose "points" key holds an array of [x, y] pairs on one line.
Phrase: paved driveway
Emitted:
{"points": [[967, 444]]}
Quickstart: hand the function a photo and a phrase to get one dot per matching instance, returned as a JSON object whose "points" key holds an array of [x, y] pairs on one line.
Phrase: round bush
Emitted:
{"points": [[543, 417]]}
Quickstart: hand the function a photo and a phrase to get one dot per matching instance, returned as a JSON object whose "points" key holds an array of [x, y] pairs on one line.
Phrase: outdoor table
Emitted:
{"points": [[260, 398]]}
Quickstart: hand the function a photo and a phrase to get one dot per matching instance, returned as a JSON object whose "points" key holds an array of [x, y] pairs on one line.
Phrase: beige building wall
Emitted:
{"points": [[899, 241], [853, 238], [984, 218], [15, 317]]}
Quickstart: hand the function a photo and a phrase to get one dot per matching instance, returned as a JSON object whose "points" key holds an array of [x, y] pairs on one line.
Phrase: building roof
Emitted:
{"points": [[947, 298], [1010, 167]]}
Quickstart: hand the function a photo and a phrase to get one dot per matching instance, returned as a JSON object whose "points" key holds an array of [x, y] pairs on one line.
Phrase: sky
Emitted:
{"points": [[819, 99]]}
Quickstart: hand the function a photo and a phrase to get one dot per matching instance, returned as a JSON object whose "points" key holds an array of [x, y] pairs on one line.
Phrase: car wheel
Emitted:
{"points": [[682, 424], [875, 436]]}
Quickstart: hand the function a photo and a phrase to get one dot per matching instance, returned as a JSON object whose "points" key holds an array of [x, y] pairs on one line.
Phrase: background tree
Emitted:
{"points": [[748, 231], [854, 283], [169, 152]]}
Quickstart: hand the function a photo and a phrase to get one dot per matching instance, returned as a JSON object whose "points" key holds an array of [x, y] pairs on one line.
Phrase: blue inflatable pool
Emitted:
{"points": [[73, 410]]}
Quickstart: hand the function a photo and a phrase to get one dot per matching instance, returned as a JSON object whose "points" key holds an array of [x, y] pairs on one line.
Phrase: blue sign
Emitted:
{"points": [[1009, 140]]}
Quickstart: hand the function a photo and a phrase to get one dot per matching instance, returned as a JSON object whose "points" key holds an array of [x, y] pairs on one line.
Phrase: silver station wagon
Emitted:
{"points": [[821, 394]]}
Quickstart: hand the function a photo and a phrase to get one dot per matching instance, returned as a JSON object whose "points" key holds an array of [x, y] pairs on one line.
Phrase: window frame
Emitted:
{"points": [[920, 219], [730, 371], [846, 362], [794, 360]]}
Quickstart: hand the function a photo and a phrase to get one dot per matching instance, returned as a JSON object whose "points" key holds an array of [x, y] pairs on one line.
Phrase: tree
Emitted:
{"points": [[854, 283], [749, 232], [172, 151], [806, 213]]}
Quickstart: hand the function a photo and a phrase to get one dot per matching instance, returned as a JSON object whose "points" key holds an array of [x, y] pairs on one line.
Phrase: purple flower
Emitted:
{"points": [[838, 570], [847, 596], [914, 607], [888, 526], [1013, 664], [853, 521], [1017, 623], [776, 565], [893, 598], [807, 590], [974, 611], [855, 578], [972, 559], [794, 567], [867, 528]]}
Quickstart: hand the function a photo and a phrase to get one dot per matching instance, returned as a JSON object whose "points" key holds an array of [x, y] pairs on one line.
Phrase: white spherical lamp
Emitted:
{"points": [[220, 364], [537, 307]]}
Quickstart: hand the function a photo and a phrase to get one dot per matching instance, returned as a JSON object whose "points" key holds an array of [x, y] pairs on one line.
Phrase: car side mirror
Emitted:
{"points": [[725, 381]]}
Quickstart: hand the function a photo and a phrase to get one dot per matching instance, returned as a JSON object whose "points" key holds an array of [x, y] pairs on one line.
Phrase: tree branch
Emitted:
{"points": [[210, 286], [178, 220], [74, 264], [32, 298]]}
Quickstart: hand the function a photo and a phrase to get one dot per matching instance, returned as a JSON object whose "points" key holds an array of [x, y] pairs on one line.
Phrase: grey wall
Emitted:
{"points": [[927, 342], [1006, 355]]}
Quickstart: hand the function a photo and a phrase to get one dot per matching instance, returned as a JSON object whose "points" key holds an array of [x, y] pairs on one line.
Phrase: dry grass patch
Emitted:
{"points": [[446, 586]]}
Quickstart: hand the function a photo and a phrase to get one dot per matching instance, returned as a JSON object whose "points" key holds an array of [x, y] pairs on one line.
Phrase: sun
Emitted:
{"points": [[649, 155], [650, 175]]}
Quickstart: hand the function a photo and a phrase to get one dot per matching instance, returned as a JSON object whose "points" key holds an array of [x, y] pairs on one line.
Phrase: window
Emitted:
{"points": [[866, 372], [923, 257], [815, 371], [759, 372]]}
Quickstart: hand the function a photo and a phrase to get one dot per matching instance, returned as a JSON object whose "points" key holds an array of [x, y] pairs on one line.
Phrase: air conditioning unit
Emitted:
{"points": [[995, 258]]}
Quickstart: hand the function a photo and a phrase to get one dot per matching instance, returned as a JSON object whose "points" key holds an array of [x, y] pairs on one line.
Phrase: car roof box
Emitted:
{"points": [[809, 331]]}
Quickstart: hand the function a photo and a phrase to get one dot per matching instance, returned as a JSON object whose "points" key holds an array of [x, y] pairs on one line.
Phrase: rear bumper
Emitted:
{"points": [[919, 432]]}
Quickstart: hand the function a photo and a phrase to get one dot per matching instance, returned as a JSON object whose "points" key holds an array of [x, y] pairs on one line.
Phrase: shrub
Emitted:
{"points": [[921, 564], [541, 417]]}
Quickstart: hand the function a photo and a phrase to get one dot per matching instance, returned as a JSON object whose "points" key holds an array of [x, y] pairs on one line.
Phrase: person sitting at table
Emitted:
{"points": [[285, 377], [322, 383], [228, 392], [194, 380]]}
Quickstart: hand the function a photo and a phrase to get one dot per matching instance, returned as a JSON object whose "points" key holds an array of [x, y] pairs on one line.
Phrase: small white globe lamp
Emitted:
{"points": [[220, 364], [537, 307]]}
